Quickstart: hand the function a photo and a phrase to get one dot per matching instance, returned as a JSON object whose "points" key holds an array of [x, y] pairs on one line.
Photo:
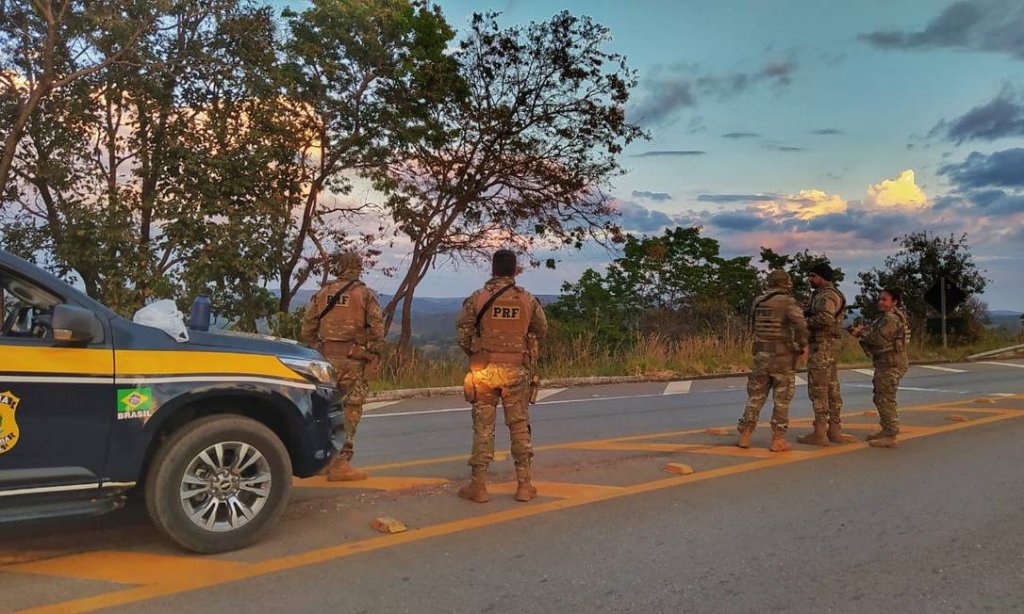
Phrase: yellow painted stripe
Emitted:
{"points": [[66, 361], [190, 582], [632, 446], [164, 363], [561, 490], [130, 567], [386, 483]]}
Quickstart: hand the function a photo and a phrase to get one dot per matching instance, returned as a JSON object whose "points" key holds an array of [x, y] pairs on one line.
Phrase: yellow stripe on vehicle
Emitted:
{"points": [[73, 361], [163, 362]]}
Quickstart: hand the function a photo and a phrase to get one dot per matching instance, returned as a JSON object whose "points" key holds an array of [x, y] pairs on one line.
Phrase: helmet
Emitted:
{"points": [[348, 264], [779, 279]]}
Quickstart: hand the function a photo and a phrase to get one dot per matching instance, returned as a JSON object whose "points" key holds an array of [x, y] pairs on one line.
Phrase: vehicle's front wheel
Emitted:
{"points": [[218, 483]]}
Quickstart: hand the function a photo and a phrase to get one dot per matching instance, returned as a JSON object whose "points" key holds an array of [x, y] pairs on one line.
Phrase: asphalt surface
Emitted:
{"points": [[935, 526]]}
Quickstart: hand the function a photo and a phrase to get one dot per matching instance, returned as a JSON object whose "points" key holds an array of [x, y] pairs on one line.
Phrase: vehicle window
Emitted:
{"points": [[28, 308]]}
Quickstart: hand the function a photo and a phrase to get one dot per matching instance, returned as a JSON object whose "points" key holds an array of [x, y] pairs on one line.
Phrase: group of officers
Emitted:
{"points": [[501, 325]]}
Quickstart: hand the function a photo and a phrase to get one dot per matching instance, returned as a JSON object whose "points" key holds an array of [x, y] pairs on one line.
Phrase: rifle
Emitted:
{"points": [[532, 357]]}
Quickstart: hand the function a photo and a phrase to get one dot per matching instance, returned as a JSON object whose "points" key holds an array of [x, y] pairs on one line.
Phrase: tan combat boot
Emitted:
{"points": [[744, 440], [476, 490], [875, 435], [885, 441], [342, 471], [779, 443], [818, 438], [836, 435]]}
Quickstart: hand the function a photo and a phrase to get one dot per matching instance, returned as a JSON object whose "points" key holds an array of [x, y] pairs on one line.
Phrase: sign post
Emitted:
{"points": [[942, 282]]}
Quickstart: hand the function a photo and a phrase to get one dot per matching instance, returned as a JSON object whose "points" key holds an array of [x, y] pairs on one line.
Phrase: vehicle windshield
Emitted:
{"points": [[28, 309]]}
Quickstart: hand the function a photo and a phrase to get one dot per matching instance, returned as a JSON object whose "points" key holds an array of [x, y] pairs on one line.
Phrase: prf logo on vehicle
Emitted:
{"points": [[134, 403], [9, 432]]}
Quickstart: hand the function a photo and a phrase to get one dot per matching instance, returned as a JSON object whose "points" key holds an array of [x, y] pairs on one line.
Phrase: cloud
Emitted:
{"points": [[969, 25], [1001, 169], [827, 132], [782, 148], [741, 135], [1001, 117], [670, 152], [739, 221], [736, 198], [901, 191], [655, 196], [638, 218], [668, 90]]}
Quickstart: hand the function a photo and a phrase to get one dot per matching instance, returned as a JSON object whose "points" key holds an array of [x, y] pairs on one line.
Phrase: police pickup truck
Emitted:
{"points": [[93, 405]]}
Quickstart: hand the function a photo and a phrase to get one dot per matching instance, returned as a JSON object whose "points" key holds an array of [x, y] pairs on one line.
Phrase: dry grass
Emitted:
{"points": [[650, 355]]}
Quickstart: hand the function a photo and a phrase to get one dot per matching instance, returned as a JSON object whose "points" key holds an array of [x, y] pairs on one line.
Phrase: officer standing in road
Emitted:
{"points": [[344, 322], [885, 340], [780, 341], [825, 315], [497, 329]]}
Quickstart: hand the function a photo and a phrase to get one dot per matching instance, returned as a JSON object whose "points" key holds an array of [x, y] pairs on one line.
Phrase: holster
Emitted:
{"points": [[534, 388], [359, 352], [469, 387]]}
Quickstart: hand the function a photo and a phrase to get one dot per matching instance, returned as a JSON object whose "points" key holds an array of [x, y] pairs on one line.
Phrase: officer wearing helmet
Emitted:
{"points": [[780, 341], [344, 322]]}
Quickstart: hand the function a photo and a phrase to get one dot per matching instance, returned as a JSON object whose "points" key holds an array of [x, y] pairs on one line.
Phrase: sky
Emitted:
{"points": [[801, 124]]}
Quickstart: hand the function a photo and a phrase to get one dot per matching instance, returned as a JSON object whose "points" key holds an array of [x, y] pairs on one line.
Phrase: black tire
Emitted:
{"points": [[164, 482]]}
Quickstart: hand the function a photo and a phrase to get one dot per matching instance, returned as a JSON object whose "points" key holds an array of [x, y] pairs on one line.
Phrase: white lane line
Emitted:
{"points": [[944, 369], [548, 392], [868, 372], [800, 381], [379, 405], [680, 387], [1004, 364]]}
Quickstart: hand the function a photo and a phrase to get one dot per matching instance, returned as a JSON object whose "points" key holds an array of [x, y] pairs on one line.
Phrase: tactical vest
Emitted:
{"points": [[504, 325], [346, 321], [768, 315], [837, 327]]}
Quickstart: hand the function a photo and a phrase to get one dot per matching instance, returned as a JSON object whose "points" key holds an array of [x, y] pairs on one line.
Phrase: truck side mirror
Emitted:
{"points": [[75, 326]]}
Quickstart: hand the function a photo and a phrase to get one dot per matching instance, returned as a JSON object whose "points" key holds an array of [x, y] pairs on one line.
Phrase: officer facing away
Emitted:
{"points": [[498, 329], [344, 322], [885, 340], [825, 315], [780, 341]]}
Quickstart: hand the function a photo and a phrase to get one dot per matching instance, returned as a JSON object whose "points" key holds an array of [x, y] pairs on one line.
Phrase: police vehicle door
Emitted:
{"points": [[56, 400]]}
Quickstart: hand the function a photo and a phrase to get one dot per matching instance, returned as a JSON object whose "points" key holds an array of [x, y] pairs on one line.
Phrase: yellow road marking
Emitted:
{"points": [[731, 450], [632, 447], [130, 567], [169, 585], [388, 483], [561, 490]]}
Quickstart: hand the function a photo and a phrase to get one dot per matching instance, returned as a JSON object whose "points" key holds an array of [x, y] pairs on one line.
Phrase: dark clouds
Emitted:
{"points": [[655, 196], [736, 198], [827, 132], [637, 218], [1001, 169], [669, 90], [670, 152], [975, 25], [782, 148], [741, 135], [1001, 117]]}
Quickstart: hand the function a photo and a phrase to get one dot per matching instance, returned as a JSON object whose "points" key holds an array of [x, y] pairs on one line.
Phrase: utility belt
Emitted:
{"points": [[349, 349], [483, 358], [773, 347]]}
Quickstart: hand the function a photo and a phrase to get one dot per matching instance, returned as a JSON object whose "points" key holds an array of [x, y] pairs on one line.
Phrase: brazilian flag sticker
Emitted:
{"points": [[134, 403]]}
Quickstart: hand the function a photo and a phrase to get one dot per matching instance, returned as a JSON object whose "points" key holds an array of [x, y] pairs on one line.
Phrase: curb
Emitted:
{"points": [[400, 394]]}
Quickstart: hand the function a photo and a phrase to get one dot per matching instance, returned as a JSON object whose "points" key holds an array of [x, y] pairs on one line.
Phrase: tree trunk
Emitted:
{"points": [[18, 129]]}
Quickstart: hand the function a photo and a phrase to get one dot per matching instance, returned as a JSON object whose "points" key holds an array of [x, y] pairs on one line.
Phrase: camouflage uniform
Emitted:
{"points": [[780, 335], [350, 335], [499, 367], [886, 340], [825, 323]]}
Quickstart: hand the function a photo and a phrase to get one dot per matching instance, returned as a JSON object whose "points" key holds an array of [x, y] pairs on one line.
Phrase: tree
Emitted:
{"points": [[673, 285], [364, 76], [521, 158], [921, 260], [799, 267], [46, 45]]}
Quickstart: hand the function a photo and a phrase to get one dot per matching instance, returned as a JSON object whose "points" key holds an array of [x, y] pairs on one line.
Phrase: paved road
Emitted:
{"points": [[934, 526]]}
